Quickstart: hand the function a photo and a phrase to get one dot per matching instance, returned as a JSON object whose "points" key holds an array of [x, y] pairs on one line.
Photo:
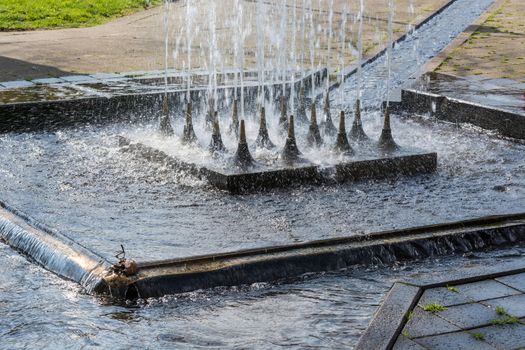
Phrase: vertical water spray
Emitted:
{"points": [[240, 57], [282, 45], [165, 124], [293, 58], [189, 24], [386, 141], [212, 65], [283, 119], [357, 133], [360, 48], [303, 40], [312, 46], [234, 126], [329, 43], [259, 53]]}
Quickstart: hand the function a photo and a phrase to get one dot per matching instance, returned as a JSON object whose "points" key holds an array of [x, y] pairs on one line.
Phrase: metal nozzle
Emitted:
{"points": [[290, 151], [188, 134], [242, 157], [263, 139], [165, 124], [327, 125], [216, 144], [357, 133], [342, 145], [313, 138], [386, 142]]}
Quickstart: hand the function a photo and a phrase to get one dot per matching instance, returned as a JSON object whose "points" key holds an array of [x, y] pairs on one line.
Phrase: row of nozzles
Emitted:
{"points": [[290, 152]]}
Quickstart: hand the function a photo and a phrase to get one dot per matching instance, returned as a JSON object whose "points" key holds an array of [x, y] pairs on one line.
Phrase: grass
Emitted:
{"points": [[48, 14], [452, 289], [505, 320], [501, 311], [506, 317], [434, 307], [478, 336]]}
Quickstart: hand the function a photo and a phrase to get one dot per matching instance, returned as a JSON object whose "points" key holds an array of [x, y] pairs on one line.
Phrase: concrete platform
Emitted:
{"points": [[262, 177]]}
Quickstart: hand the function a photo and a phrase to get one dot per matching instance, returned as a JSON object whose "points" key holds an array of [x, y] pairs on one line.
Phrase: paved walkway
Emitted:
{"points": [[496, 49], [483, 315], [136, 42]]}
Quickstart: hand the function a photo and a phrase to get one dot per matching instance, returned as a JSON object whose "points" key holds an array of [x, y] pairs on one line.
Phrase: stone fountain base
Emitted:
{"points": [[403, 162]]}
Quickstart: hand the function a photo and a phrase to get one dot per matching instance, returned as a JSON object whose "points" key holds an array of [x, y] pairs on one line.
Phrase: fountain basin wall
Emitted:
{"points": [[408, 163], [127, 107], [270, 264], [61, 255], [459, 111]]}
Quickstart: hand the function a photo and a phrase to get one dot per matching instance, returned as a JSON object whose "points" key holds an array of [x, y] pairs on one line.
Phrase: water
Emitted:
{"points": [[77, 181], [324, 311], [408, 57]]}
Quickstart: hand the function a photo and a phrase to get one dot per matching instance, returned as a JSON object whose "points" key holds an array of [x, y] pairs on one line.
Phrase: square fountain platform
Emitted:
{"points": [[406, 162]]}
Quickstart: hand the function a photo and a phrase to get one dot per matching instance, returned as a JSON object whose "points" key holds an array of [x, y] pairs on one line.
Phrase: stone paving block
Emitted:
{"points": [[17, 84], [515, 281], [515, 304], [79, 79], [469, 315], [423, 323], [443, 296], [454, 341], [488, 289], [382, 330], [48, 81], [506, 337], [404, 343]]}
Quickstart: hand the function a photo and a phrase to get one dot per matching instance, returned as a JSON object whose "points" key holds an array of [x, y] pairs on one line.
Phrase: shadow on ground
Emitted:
{"points": [[13, 69]]}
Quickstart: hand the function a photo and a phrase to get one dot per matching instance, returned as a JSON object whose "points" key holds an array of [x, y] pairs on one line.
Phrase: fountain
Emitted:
{"points": [[260, 100], [259, 165]]}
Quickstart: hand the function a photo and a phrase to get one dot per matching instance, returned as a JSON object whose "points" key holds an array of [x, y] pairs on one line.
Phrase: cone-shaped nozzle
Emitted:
{"points": [[357, 133], [327, 125], [313, 138], [234, 126], [216, 144], [283, 120], [386, 142], [301, 106], [210, 112], [341, 144], [165, 124], [263, 139], [188, 134], [242, 157], [290, 151]]}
